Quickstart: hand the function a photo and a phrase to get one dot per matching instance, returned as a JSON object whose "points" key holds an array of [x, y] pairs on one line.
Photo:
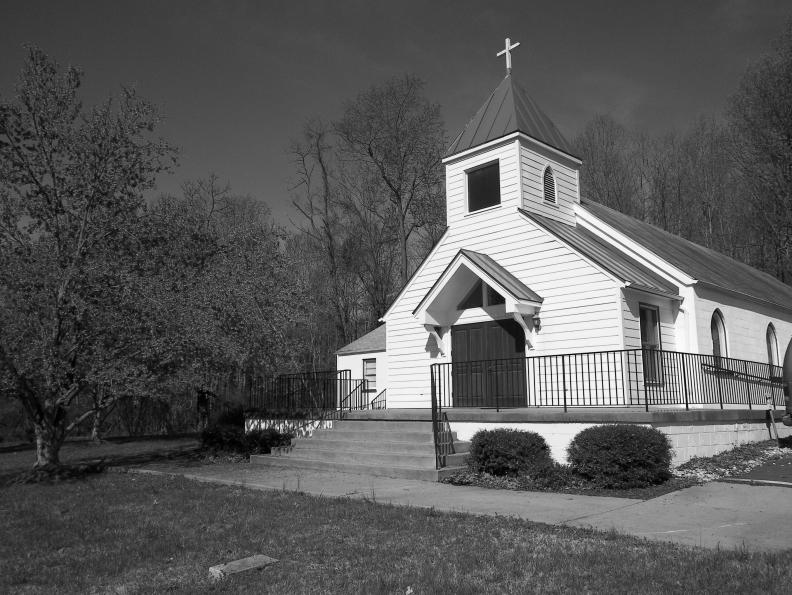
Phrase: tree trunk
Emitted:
{"points": [[48, 444], [96, 426]]}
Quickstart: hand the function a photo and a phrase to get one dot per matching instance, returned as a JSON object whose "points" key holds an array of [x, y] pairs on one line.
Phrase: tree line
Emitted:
{"points": [[107, 296], [725, 182]]}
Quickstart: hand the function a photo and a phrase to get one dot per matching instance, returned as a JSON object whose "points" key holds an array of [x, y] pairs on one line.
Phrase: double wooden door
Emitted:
{"points": [[488, 364]]}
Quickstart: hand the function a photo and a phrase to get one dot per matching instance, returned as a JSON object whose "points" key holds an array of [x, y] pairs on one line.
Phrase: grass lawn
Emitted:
{"points": [[129, 533]]}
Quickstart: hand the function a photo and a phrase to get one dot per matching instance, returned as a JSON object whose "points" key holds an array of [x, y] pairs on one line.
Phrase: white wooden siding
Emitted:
{"points": [[533, 164], [456, 182], [354, 363], [578, 312]]}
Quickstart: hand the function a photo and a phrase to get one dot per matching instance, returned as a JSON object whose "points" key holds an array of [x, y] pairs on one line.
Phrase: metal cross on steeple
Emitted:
{"points": [[507, 51]]}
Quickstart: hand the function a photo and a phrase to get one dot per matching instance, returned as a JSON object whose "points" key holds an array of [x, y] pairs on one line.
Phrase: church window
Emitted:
{"points": [[549, 185], [772, 345], [718, 332], [370, 375], [483, 187], [650, 343]]}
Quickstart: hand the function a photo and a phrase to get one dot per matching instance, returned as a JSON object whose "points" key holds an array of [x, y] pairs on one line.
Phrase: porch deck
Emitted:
{"points": [[588, 415]]}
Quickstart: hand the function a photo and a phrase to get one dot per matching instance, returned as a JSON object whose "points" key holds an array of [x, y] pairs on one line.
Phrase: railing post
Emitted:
{"points": [[684, 382], [435, 415], [563, 381], [747, 383]]}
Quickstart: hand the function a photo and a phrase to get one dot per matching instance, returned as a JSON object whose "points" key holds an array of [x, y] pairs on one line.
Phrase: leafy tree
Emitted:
{"points": [[71, 190], [225, 294]]}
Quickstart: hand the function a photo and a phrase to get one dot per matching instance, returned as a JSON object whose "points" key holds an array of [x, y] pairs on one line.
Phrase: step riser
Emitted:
{"points": [[363, 445], [374, 436], [365, 458], [294, 463], [384, 426]]}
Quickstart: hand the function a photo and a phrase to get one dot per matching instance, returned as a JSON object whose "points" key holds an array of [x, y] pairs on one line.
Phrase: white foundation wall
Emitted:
{"points": [[687, 439], [579, 312], [705, 440], [746, 325], [557, 436]]}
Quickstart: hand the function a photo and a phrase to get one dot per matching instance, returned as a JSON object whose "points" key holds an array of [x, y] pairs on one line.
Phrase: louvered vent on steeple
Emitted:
{"points": [[549, 186]]}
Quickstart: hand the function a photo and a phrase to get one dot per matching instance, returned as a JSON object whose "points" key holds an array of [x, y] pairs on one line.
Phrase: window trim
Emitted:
{"points": [[718, 322], [652, 362], [546, 169], [495, 162], [368, 387]]}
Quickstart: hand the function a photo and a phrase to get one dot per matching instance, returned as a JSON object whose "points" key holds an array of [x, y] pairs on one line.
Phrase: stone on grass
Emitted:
{"points": [[258, 561]]}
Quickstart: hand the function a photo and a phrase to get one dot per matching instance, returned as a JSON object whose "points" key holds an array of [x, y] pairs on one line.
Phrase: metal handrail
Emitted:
{"points": [[616, 378]]}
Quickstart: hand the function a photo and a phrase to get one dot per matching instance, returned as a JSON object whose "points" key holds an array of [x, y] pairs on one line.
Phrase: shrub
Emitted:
{"points": [[232, 415], [621, 456], [263, 441], [234, 439], [224, 437], [509, 452]]}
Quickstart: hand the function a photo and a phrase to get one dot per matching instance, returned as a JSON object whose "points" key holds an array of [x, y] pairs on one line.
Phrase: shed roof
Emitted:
{"points": [[606, 256], [703, 264], [370, 342], [508, 109]]}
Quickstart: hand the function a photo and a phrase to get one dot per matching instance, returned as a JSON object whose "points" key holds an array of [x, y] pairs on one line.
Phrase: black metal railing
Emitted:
{"points": [[621, 378], [441, 428], [379, 402], [312, 395], [301, 392]]}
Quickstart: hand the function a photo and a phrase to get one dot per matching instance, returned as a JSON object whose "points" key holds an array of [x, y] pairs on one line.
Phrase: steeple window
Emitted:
{"points": [[483, 186]]}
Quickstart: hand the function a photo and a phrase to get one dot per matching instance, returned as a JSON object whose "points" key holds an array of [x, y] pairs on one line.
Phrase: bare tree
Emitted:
{"points": [[761, 116], [396, 134]]}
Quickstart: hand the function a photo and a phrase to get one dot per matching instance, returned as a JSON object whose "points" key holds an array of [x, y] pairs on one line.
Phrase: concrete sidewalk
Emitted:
{"points": [[712, 515]]}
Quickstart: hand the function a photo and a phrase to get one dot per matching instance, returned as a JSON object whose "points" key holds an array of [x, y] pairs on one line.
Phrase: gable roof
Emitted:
{"points": [[508, 109], [606, 256], [372, 341], [703, 264], [512, 284], [516, 289]]}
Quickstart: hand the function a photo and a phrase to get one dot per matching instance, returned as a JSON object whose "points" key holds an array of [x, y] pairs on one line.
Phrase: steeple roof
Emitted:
{"points": [[509, 109]]}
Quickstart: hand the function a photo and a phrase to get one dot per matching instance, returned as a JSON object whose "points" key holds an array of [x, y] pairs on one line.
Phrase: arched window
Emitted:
{"points": [[718, 330], [549, 185], [772, 345]]}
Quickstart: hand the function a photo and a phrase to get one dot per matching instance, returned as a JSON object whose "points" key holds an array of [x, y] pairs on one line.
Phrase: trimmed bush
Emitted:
{"points": [[509, 452], [621, 456], [232, 415]]}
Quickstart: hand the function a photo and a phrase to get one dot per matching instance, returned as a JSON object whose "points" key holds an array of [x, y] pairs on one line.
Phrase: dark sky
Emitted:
{"points": [[237, 80]]}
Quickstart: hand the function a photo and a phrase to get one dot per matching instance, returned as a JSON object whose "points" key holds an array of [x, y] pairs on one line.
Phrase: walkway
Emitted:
{"points": [[713, 515]]}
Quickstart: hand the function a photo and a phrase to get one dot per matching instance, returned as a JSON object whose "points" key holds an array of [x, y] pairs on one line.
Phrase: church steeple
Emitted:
{"points": [[509, 109]]}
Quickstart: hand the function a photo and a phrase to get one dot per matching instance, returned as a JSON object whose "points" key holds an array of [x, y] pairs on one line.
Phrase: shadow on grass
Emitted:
{"points": [[83, 458]]}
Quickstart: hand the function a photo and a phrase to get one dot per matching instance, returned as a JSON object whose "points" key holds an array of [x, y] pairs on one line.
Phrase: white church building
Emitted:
{"points": [[538, 306], [541, 310]]}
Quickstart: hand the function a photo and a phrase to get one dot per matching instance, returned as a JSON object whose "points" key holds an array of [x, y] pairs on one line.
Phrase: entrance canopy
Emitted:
{"points": [[441, 304]]}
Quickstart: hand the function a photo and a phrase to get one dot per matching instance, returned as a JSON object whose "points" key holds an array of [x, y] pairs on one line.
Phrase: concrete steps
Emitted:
{"points": [[372, 447]]}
